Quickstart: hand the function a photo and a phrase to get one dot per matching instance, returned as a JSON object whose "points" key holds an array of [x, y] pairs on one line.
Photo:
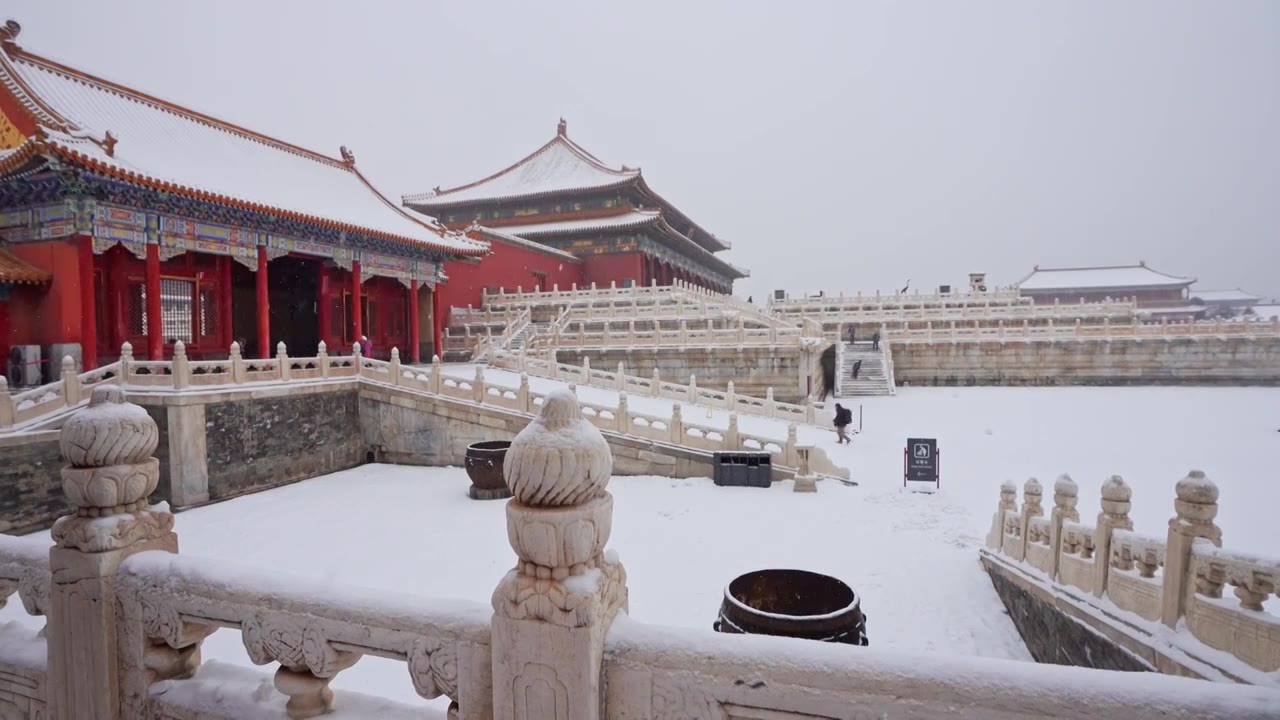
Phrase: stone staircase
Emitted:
{"points": [[518, 340], [873, 378]]}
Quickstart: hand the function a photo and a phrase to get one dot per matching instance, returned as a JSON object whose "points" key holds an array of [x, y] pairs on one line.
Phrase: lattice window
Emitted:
{"points": [[177, 301], [208, 311], [136, 309]]}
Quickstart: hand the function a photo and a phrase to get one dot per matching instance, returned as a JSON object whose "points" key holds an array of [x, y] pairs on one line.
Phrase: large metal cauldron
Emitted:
{"points": [[484, 467], [794, 603]]}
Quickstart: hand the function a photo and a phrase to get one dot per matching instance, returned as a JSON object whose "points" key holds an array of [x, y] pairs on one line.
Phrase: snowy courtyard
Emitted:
{"points": [[912, 557]]}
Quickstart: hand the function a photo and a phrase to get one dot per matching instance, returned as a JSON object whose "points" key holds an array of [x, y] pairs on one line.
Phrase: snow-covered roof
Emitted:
{"points": [[1225, 296], [481, 232], [1100, 278], [139, 138], [560, 165], [1267, 312], [634, 218]]}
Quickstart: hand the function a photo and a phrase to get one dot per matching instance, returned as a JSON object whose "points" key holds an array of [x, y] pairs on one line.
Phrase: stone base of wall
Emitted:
{"points": [[30, 482], [752, 370], [1060, 626], [1206, 361]]}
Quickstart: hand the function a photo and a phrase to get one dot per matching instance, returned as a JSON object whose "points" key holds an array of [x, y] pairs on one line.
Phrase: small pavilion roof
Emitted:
{"points": [[1100, 278], [129, 135], [14, 269], [560, 166]]}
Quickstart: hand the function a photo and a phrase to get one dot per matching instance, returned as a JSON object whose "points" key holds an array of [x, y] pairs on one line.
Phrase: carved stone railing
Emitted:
{"points": [[170, 603], [1208, 330], [967, 308], [71, 390], [1171, 580], [625, 334], [661, 673], [654, 386], [1003, 296], [24, 569]]}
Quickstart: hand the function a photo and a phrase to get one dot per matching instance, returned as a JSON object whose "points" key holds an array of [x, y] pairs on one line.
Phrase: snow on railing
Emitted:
{"points": [[1172, 580], [895, 299], [654, 386], [170, 603], [24, 569], [625, 334], [1104, 331], [69, 391], [877, 311]]}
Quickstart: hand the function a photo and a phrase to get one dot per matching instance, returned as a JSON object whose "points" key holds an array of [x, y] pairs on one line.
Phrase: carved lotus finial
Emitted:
{"points": [[110, 431], [1116, 489], [1065, 486], [559, 458], [1197, 488]]}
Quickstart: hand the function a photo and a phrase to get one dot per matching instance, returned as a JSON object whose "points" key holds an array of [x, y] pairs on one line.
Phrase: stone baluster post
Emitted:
{"points": [[1065, 496], [522, 394], [282, 360], [623, 415], [607, 337], [477, 386], [789, 452], [7, 410], [1032, 494], [1008, 501], [434, 386], [1115, 514], [684, 331], [181, 368], [742, 330], [676, 429], [126, 361], [238, 370], [655, 385], [322, 359], [553, 610], [730, 397], [769, 406], [110, 473], [731, 439], [585, 378], [70, 381], [393, 368], [693, 389], [1195, 508]]}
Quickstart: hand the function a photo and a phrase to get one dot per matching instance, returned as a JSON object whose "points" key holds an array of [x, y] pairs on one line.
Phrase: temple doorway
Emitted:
{"points": [[293, 292]]}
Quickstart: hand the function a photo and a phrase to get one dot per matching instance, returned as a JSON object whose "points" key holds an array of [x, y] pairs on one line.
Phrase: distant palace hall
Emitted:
{"points": [[127, 218]]}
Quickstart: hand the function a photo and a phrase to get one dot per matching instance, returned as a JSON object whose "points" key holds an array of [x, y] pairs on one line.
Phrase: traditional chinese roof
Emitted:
{"points": [[1119, 277], [114, 130], [1236, 296], [652, 220], [16, 270], [488, 234], [560, 167]]}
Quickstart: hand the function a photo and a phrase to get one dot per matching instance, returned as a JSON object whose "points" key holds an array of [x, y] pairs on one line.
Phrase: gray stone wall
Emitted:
{"points": [[160, 414], [412, 429], [752, 370], [1234, 361], [259, 443], [30, 482]]}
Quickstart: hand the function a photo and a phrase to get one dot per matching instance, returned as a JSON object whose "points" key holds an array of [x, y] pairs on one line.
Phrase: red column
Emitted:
{"points": [[322, 300], [264, 306], [357, 322], [437, 320], [88, 308], [155, 330], [224, 301], [414, 354]]}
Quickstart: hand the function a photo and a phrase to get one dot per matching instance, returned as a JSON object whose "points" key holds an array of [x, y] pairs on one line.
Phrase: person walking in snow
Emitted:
{"points": [[853, 334], [857, 368], [875, 341], [844, 416]]}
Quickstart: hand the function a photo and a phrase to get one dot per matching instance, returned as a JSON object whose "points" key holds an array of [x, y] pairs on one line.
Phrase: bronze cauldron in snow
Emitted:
{"points": [[794, 603], [484, 467]]}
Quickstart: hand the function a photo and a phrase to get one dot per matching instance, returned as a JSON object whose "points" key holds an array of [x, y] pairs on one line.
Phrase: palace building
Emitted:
{"points": [[125, 217], [605, 225], [1157, 294]]}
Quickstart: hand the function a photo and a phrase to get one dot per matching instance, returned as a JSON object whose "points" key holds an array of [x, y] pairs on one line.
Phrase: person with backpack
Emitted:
{"points": [[857, 368], [844, 416]]}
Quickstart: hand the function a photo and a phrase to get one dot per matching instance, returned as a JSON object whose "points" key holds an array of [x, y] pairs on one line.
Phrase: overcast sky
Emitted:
{"points": [[839, 146]]}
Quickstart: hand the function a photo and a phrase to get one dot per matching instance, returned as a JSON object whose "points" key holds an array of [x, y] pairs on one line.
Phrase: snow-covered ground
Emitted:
{"points": [[912, 557]]}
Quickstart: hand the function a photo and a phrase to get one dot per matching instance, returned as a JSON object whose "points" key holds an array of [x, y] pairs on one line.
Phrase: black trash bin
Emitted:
{"points": [[742, 469]]}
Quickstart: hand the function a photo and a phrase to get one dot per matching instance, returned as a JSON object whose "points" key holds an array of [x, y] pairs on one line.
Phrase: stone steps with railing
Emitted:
{"points": [[873, 376]]}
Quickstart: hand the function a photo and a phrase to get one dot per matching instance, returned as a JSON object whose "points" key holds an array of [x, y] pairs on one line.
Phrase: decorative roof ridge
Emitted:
{"points": [[560, 138], [168, 106], [437, 228], [1142, 264], [664, 225], [644, 186], [505, 237], [30, 103]]}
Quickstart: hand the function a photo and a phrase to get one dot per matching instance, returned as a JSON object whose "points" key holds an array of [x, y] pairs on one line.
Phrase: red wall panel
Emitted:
{"points": [[613, 267], [509, 267]]}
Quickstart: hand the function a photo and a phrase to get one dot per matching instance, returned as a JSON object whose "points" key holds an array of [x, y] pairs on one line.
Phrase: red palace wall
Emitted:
{"points": [[509, 267], [40, 316], [613, 267]]}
